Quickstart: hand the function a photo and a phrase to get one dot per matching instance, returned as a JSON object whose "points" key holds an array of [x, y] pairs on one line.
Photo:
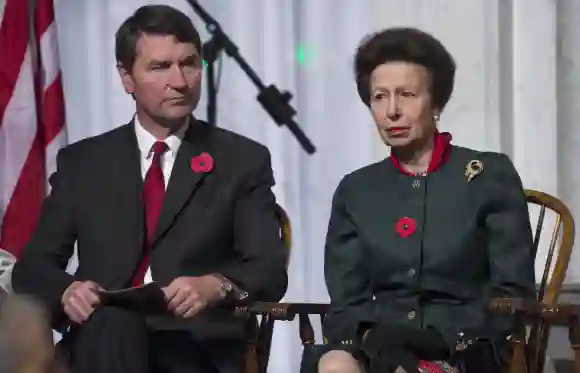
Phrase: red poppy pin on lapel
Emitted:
{"points": [[202, 163], [405, 227]]}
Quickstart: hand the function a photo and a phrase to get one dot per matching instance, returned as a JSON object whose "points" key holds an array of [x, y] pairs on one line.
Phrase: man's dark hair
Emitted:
{"points": [[152, 20], [406, 45]]}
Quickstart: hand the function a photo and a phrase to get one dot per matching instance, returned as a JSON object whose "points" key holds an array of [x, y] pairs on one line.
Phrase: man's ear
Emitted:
{"points": [[126, 78]]}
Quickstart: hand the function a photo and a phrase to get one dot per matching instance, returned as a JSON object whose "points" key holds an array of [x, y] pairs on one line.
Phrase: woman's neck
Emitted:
{"points": [[416, 157]]}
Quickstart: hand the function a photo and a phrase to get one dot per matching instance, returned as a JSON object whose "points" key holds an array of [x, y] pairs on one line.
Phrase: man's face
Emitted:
{"points": [[166, 77]]}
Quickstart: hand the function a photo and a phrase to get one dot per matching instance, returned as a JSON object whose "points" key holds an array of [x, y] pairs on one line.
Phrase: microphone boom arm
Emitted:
{"points": [[276, 103]]}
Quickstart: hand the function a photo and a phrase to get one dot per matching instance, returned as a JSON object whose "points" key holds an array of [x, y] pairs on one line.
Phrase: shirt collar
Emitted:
{"points": [[145, 140], [441, 151]]}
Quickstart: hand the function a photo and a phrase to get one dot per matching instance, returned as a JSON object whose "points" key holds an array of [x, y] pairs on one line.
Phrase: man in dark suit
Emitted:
{"points": [[165, 198]]}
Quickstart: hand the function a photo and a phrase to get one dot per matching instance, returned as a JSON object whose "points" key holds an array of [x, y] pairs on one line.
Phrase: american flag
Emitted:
{"points": [[32, 122]]}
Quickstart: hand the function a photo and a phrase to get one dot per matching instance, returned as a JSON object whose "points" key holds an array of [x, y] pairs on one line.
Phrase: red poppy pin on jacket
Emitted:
{"points": [[406, 227], [202, 163]]}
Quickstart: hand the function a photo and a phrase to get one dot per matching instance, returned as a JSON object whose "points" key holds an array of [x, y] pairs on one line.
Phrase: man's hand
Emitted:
{"points": [[80, 300], [187, 296]]}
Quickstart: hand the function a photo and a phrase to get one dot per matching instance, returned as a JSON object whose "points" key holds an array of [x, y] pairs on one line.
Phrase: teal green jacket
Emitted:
{"points": [[428, 250]]}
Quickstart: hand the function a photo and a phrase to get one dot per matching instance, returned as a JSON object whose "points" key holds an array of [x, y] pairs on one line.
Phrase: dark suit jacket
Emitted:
{"points": [[471, 241], [221, 221]]}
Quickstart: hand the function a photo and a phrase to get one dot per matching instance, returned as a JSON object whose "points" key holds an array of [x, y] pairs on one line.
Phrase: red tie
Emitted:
{"points": [[153, 193]]}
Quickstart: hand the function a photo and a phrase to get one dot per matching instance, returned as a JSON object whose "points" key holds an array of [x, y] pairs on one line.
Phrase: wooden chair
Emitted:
{"points": [[260, 332], [528, 353]]}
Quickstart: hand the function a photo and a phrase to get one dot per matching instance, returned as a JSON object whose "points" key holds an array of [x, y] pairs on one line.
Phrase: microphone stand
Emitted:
{"points": [[276, 103], [210, 53]]}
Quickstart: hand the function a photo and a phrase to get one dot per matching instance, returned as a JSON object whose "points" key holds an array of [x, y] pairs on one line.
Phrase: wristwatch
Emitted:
{"points": [[230, 289], [227, 287]]}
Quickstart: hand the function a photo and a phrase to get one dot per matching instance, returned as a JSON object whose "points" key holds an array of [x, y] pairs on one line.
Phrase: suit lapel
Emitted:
{"points": [[184, 181], [128, 183]]}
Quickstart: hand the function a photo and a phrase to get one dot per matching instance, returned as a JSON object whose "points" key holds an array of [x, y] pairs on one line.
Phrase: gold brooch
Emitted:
{"points": [[473, 168]]}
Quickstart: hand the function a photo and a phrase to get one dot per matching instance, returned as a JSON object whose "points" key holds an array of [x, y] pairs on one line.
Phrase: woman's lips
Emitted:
{"points": [[397, 131]]}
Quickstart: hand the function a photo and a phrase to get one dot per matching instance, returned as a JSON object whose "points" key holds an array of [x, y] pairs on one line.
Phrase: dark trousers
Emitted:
{"points": [[116, 341]]}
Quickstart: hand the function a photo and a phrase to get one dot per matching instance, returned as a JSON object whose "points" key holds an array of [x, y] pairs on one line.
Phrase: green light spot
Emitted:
{"points": [[301, 55], [304, 55]]}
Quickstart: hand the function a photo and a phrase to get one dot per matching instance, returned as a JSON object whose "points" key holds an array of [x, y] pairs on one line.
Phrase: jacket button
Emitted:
{"points": [[412, 315], [411, 272]]}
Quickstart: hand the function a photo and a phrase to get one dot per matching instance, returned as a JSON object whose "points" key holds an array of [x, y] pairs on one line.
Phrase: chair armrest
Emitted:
{"points": [[560, 314], [282, 311], [286, 312], [563, 314], [539, 315]]}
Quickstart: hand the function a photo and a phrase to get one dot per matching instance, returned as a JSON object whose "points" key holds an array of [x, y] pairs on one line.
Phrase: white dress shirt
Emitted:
{"points": [[145, 140]]}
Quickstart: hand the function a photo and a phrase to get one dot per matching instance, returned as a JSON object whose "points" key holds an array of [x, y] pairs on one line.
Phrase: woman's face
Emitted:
{"points": [[400, 103]]}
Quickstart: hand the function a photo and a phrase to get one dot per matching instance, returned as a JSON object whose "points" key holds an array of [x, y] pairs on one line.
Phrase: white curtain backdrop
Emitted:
{"points": [[516, 91]]}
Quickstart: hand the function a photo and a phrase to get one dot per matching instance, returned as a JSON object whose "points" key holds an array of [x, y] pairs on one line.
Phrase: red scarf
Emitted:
{"points": [[441, 152]]}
